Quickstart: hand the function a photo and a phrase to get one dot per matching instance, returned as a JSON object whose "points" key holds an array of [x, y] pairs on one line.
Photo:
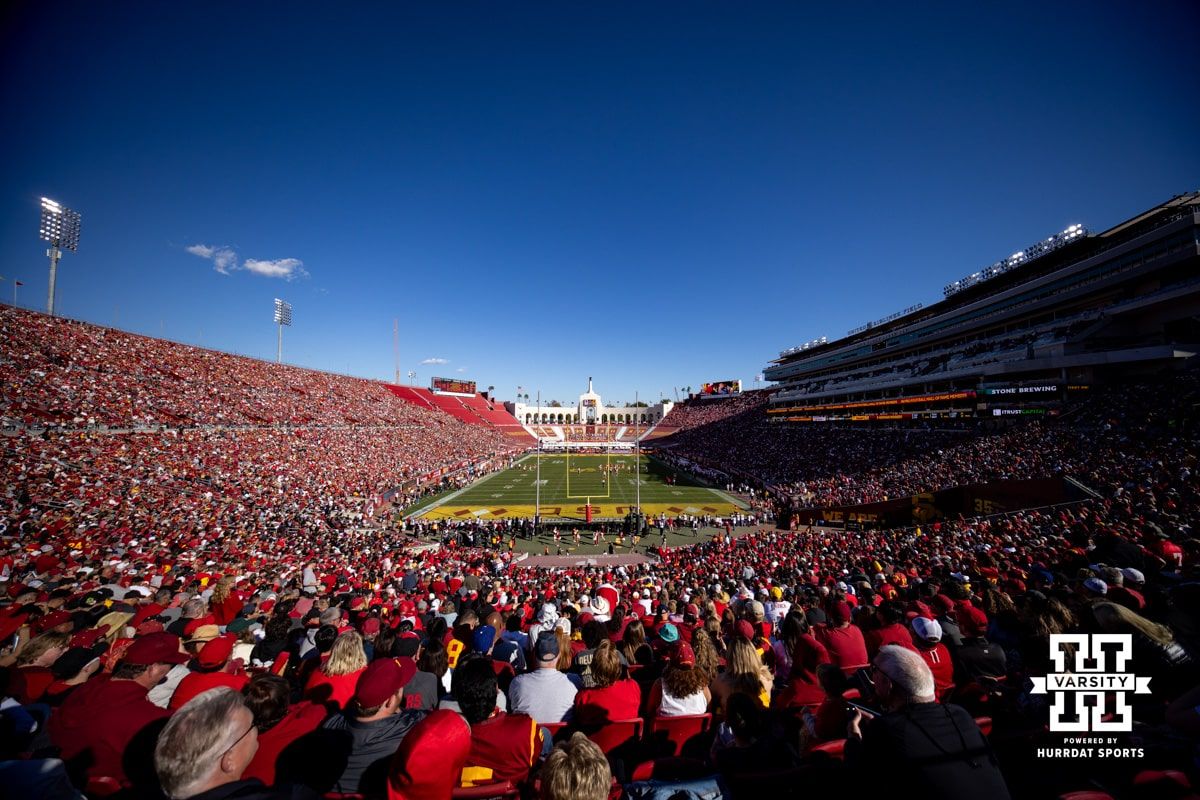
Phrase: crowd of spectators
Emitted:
{"points": [[826, 465], [64, 373], [215, 612]]}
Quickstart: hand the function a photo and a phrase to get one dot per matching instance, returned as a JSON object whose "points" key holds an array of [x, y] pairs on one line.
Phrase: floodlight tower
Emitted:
{"points": [[59, 227], [283, 316]]}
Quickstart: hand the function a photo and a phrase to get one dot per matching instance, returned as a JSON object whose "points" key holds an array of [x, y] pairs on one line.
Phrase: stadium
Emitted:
{"points": [[952, 552], [985, 428]]}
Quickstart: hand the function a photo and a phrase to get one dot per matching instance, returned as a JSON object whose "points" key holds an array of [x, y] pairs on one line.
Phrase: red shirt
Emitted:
{"points": [[938, 659], [620, 701], [803, 688], [200, 682], [503, 748], [302, 718], [98, 721], [846, 646], [337, 689], [888, 634]]}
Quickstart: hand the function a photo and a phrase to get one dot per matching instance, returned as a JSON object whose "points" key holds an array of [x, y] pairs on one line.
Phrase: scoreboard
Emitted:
{"points": [[452, 385]]}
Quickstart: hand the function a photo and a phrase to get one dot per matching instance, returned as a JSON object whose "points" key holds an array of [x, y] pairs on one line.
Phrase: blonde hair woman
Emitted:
{"points": [[745, 673], [333, 683]]}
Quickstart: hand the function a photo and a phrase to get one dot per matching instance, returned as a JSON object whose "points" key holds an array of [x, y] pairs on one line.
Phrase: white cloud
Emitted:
{"points": [[286, 268], [225, 261], [461, 369], [435, 361]]}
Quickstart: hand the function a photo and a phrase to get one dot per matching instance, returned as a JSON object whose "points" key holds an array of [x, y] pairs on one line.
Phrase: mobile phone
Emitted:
{"points": [[865, 709]]}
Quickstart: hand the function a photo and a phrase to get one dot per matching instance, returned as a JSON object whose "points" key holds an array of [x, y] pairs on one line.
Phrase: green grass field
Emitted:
{"points": [[568, 481]]}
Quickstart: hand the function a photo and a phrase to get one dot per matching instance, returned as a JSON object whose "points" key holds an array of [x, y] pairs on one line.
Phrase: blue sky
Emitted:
{"points": [[655, 194]]}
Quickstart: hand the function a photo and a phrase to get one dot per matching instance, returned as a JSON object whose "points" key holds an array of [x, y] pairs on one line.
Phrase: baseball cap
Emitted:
{"points": [[156, 648], [216, 652], [1133, 575], [683, 655], [546, 647], [928, 629], [668, 633], [382, 679], [483, 638], [52, 620], [972, 621], [1096, 586], [406, 644], [744, 629]]}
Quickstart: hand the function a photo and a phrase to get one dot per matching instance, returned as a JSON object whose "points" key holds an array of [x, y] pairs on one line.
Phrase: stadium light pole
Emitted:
{"points": [[283, 316], [59, 227], [412, 378], [396, 346]]}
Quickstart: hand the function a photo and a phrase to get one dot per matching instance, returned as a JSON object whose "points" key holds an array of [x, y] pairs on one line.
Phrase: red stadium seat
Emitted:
{"points": [[617, 733], [554, 729], [670, 769], [835, 749], [670, 735], [103, 786], [504, 790]]}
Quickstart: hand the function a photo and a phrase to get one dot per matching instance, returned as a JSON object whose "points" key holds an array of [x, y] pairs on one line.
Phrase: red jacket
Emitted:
{"points": [[99, 721], [503, 748]]}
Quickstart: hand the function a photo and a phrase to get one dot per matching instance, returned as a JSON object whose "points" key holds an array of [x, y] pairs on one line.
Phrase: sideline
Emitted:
{"points": [[441, 501]]}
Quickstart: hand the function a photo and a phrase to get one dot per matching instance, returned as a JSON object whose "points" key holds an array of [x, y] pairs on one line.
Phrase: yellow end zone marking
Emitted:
{"points": [[452, 511]]}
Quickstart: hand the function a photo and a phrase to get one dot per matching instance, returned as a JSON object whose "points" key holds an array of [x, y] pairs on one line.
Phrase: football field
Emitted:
{"points": [[569, 481]]}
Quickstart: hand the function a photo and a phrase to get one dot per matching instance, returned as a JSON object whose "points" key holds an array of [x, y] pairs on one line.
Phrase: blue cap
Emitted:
{"points": [[483, 638], [668, 633]]}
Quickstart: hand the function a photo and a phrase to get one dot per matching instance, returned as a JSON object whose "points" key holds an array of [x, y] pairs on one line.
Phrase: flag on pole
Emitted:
{"points": [[19, 283]]}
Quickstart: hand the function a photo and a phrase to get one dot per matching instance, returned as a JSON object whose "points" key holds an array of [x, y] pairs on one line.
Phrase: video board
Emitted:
{"points": [[720, 388], [453, 385]]}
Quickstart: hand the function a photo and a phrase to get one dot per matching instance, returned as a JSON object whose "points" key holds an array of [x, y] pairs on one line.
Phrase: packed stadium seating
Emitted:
{"points": [[223, 497]]}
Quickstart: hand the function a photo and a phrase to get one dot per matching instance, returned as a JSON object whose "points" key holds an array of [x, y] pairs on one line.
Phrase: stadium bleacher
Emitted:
{"points": [[191, 540]]}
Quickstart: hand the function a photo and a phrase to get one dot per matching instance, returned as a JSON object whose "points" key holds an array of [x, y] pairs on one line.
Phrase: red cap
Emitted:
{"points": [[52, 620], [744, 629], [972, 621], [839, 612], [430, 758], [382, 679], [86, 638], [157, 648], [370, 626], [216, 652], [683, 655]]}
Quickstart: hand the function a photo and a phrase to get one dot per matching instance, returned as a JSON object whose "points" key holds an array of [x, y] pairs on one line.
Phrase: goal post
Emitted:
{"points": [[608, 479]]}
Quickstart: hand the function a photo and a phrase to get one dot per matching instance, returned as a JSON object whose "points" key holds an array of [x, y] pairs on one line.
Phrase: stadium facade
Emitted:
{"points": [[1018, 338]]}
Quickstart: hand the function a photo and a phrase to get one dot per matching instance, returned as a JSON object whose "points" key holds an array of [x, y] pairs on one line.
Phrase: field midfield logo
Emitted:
{"points": [[1082, 681]]}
